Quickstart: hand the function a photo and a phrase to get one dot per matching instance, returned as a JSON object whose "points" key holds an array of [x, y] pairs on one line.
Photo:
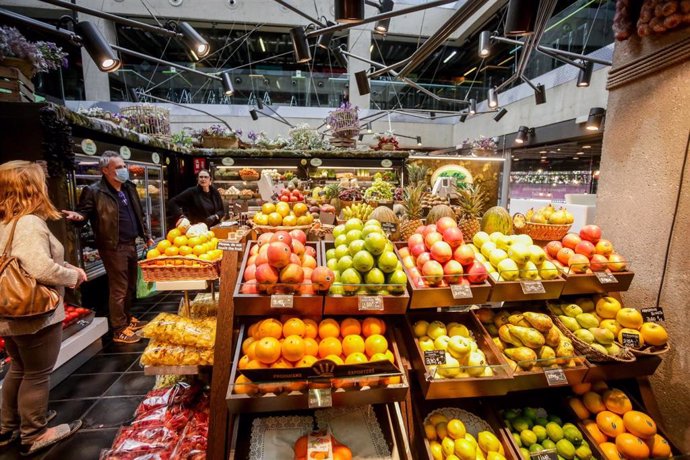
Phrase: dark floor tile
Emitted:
{"points": [[141, 308], [68, 411], [111, 412], [83, 386], [132, 383], [149, 316], [83, 445], [167, 306], [102, 364], [114, 347]]}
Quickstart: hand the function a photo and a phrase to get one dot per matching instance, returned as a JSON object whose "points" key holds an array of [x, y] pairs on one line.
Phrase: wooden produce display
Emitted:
{"points": [[525, 290]]}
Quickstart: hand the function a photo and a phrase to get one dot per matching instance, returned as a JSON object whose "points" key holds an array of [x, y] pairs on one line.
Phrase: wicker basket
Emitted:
{"points": [[592, 354], [249, 177], [217, 142], [542, 232], [152, 270], [267, 228], [148, 119], [649, 350]]}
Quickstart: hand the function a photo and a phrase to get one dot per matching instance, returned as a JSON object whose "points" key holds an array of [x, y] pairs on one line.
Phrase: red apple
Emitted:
{"points": [[570, 240], [477, 273], [278, 253], [249, 287], [598, 263], [264, 238], [306, 288], [297, 247], [444, 223], [441, 252], [431, 238], [452, 272], [432, 272], [416, 277], [322, 278], [292, 274], [295, 259], [307, 272], [299, 235], [251, 261], [416, 238], [604, 247], [417, 249], [586, 248], [422, 259], [254, 250], [281, 236], [249, 273], [564, 255], [266, 275], [616, 263], [578, 263], [453, 236], [590, 233], [261, 258], [310, 251], [464, 254], [431, 228], [553, 247], [308, 261], [420, 229]]}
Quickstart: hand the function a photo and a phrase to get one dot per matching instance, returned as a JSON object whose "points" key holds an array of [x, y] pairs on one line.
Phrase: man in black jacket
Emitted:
{"points": [[112, 206], [200, 204]]}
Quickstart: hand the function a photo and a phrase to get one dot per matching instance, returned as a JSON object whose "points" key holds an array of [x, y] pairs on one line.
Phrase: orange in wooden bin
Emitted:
{"points": [[610, 424], [631, 447]]}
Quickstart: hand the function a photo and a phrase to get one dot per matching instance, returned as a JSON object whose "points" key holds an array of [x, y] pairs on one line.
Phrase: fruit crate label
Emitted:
{"points": [[388, 227], [653, 315], [282, 301], [434, 357], [461, 291], [555, 377], [532, 287], [320, 397], [544, 455], [605, 277], [370, 303], [630, 340], [227, 245]]}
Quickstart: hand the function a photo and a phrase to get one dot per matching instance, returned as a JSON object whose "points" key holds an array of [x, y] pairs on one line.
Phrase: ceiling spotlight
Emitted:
{"points": [[348, 11], [227, 84], [500, 114], [473, 106], [540, 94], [259, 103], [493, 98], [419, 141], [324, 40], [253, 114], [580, 153], [369, 128], [522, 133], [300, 45], [362, 82], [193, 40], [382, 25], [585, 74], [595, 118], [484, 43], [98, 47], [521, 17], [463, 117]]}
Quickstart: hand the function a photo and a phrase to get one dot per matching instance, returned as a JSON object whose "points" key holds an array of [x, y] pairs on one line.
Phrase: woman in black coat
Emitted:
{"points": [[200, 204]]}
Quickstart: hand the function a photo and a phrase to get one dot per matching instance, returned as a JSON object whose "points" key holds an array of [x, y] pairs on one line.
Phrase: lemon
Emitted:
{"points": [[430, 431], [488, 442], [456, 429], [448, 446], [436, 450], [465, 449], [441, 430]]}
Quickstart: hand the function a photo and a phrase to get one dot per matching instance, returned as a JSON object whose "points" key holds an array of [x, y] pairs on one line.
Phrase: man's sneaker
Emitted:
{"points": [[126, 335], [135, 324]]}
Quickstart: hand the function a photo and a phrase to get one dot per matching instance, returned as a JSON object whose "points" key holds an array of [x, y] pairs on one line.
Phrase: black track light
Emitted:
{"points": [[523, 132], [259, 103], [98, 47], [521, 17], [432, 115], [492, 98], [419, 141], [193, 39], [361, 137], [585, 74], [463, 117], [369, 128], [227, 84], [383, 25], [595, 118], [540, 94], [362, 82], [133, 94], [347, 11], [473, 106], [500, 114], [484, 44], [300, 45], [253, 114], [324, 40]]}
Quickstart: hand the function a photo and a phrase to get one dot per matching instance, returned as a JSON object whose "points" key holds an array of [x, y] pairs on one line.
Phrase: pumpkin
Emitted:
{"points": [[438, 211], [497, 219], [384, 215]]}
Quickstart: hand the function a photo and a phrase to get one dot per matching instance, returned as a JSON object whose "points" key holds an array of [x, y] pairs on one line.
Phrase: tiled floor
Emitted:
{"points": [[103, 393]]}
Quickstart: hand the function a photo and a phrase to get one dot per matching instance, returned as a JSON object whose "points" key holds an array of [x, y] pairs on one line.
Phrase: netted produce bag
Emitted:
{"points": [[166, 354], [204, 305], [178, 330]]}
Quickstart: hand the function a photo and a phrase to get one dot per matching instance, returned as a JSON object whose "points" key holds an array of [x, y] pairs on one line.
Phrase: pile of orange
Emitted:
{"points": [[202, 246], [340, 451], [621, 432], [297, 342]]}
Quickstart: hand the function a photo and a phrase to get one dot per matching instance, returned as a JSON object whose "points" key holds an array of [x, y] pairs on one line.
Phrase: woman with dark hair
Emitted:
{"points": [[200, 204]]}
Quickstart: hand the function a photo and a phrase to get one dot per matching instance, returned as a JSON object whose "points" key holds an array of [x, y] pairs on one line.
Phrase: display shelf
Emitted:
{"points": [[590, 284], [512, 291], [641, 367], [82, 339], [78, 325]]}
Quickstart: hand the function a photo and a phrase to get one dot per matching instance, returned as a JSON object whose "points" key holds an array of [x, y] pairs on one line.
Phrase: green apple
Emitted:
{"points": [[426, 343], [450, 369], [478, 239], [353, 224], [338, 230], [529, 271], [504, 242], [387, 262], [397, 282], [487, 248], [495, 236], [341, 251], [436, 329], [362, 262], [459, 346], [458, 329], [355, 246], [441, 342], [523, 239], [536, 254], [519, 253], [496, 256], [353, 235], [548, 271], [508, 269]]}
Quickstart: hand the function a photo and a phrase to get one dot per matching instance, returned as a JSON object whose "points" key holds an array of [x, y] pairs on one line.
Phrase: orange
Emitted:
{"points": [[301, 444], [282, 363], [350, 326], [329, 328], [371, 326], [270, 388], [268, 208], [658, 446], [296, 386], [244, 360], [253, 330], [610, 451], [163, 245], [330, 346], [631, 447], [243, 386], [311, 347], [268, 350], [390, 356], [185, 250], [251, 350], [341, 452], [283, 208], [378, 357], [581, 388], [246, 343], [375, 343], [294, 326], [594, 431], [353, 344], [610, 424], [270, 327], [336, 359], [199, 249], [356, 358], [617, 402], [172, 251], [293, 348], [579, 408], [306, 361], [593, 402], [172, 234], [180, 241], [311, 329], [254, 364], [152, 254], [600, 386], [639, 424], [654, 334]]}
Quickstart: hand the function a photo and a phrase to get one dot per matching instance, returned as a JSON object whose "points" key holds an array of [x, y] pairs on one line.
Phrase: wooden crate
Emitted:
{"points": [[19, 86], [590, 284], [511, 291]]}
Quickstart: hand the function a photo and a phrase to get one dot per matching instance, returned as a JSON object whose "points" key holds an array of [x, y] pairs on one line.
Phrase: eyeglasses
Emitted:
{"points": [[205, 177], [122, 197]]}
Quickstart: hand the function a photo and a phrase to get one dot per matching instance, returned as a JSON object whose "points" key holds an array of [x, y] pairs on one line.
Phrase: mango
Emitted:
{"points": [[488, 441], [583, 452], [528, 437], [517, 439], [494, 456], [540, 431], [524, 453], [613, 349], [587, 320], [521, 424], [565, 449], [572, 434], [536, 448], [548, 444], [556, 309]]}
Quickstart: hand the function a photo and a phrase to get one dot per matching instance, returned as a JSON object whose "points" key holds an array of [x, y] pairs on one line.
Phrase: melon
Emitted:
{"points": [[497, 219], [438, 211], [385, 214]]}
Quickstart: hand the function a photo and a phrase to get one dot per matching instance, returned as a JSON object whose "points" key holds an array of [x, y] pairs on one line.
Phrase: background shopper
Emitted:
{"points": [[199, 204], [33, 344], [112, 206]]}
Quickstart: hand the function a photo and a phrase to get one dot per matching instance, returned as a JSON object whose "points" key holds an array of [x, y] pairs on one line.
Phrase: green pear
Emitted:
{"points": [[584, 335], [587, 320], [599, 347], [496, 256], [523, 356], [572, 310], [539, 321], [602, 335], [570, 323], [587, 304], [519, 253], [530, 337]]}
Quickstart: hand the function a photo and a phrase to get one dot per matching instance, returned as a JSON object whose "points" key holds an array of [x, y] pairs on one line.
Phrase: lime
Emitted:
{"points": [[363, 261], [375, 243], [341, 251], [353, 224], [356, 246], [388, 262], [353, 235]]}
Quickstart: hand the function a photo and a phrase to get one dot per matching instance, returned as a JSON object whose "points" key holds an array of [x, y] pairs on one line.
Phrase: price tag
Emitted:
{"points": [[555, 377], [226, 245], [544, 455], [370, 303], [388, 227], [434, 357], [630, 340], [456, 309], [320, 397], [532, 287], [461, 291], [155, 157], [653, 315], [282, 301], [605, 277]]}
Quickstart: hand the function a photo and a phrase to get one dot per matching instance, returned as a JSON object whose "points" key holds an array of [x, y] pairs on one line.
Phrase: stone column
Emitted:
{"points": [[96, 83], [358, 42], [643, 206]]}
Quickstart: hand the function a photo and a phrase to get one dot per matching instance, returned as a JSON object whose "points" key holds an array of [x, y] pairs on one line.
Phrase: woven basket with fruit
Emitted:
{"points": [[249, 174], [545, 224]]}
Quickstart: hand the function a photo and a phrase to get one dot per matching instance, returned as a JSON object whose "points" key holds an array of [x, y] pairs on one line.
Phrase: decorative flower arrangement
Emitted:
{"points": [[218, 131], [304, 137], [483, 143], [344, 121], [114, 117], [387, 141], [183, 138], [43, 56]]}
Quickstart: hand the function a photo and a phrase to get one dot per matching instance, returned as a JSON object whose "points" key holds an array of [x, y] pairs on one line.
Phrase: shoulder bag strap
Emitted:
{"points": [[8, 244]]}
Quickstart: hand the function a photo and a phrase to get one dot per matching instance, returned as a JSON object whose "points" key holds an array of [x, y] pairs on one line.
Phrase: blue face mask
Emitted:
{"points": [[122, 175]]}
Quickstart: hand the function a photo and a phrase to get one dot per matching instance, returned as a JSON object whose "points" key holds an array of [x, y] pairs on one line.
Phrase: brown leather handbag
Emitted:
{"points": [[22, 296]]}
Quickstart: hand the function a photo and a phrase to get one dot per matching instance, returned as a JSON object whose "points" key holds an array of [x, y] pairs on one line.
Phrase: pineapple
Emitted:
{"points": [[412, 202], [472, 200], [416, 174]]}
